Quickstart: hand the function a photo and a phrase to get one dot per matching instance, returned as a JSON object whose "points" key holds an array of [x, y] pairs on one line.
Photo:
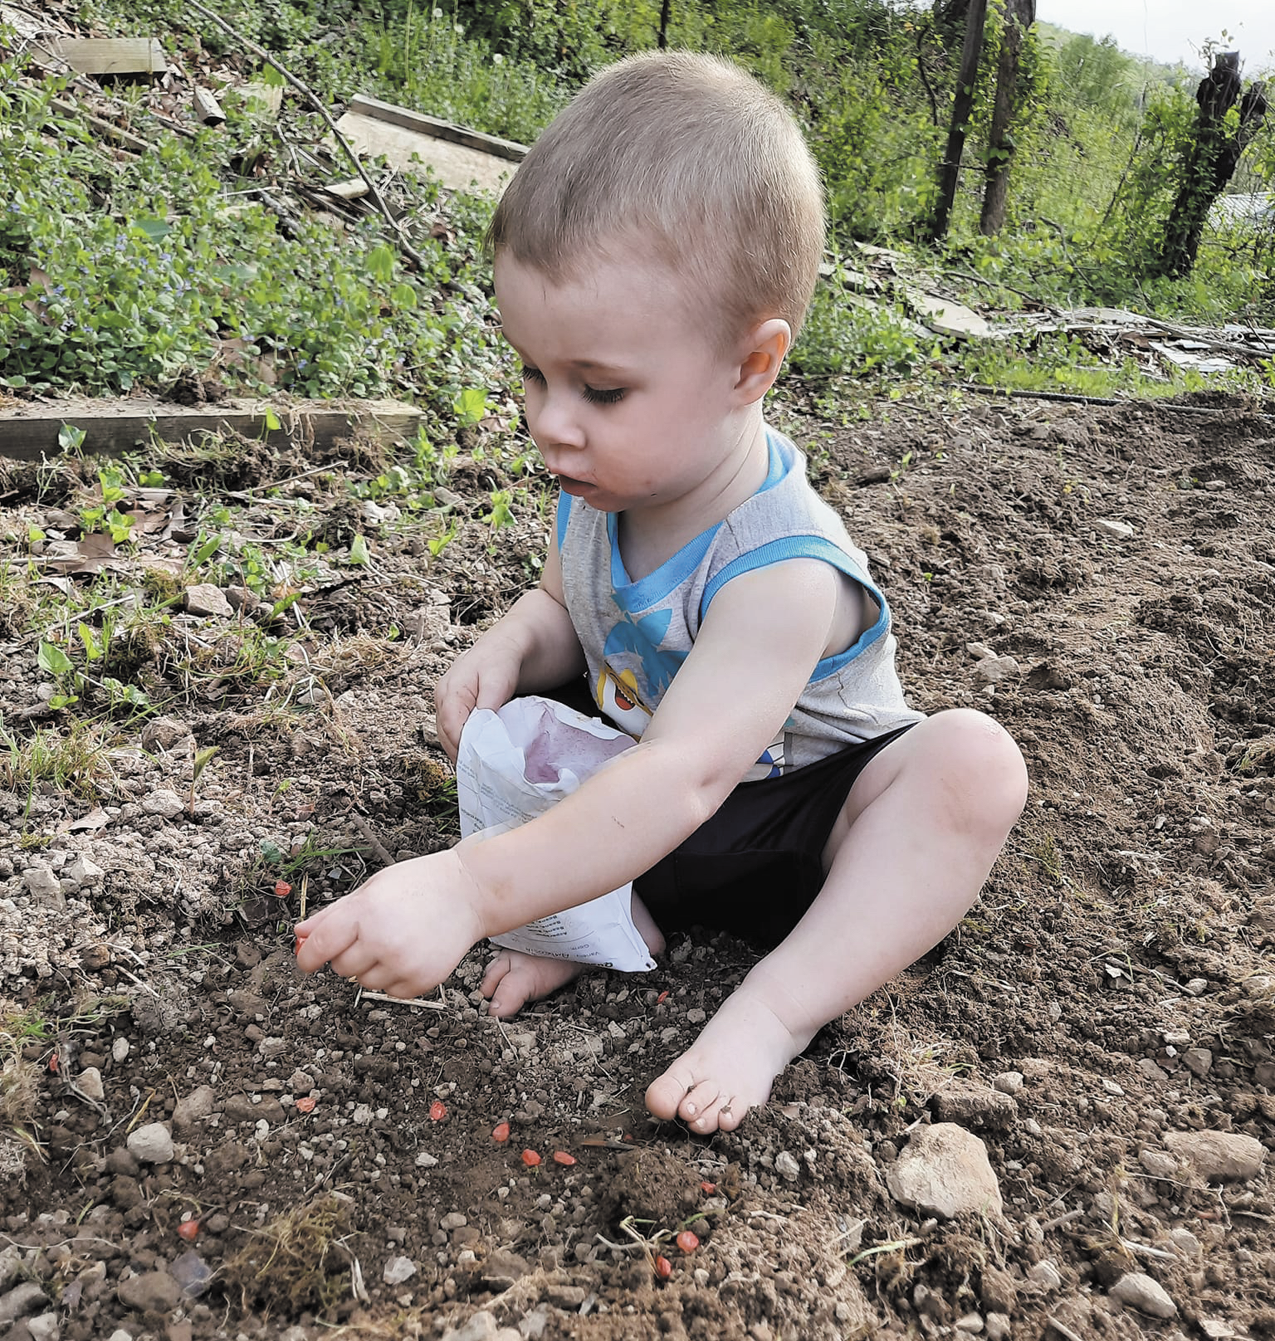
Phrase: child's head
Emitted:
{"points": [[685, 162]]}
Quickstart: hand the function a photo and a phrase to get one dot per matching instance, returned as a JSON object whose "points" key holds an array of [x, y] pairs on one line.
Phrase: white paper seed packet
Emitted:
{"points": [[513, 765]]}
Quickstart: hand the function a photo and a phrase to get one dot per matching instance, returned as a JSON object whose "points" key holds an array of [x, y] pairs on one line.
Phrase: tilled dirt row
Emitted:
{"points": [[1056, 1125]]}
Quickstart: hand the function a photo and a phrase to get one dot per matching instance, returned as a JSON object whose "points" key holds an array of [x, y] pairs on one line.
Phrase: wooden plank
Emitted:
{"points": [[29, 429], [353, 188], [112, 55], [440, 130], [207, 108], [457, 166]]}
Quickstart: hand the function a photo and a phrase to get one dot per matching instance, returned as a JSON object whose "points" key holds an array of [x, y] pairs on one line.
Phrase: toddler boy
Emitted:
{"points": [[654, 258]]}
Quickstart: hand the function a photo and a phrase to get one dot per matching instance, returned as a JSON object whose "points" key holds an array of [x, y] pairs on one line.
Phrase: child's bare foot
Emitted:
{"points": [[730, 1067], [514, 978]]}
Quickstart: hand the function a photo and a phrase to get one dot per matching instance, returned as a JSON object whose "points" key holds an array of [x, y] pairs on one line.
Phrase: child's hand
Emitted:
{"points": [[485, 677], [402, 932]]}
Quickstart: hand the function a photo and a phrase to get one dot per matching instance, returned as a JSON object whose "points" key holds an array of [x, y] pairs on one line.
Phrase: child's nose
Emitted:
{"points": [[554, 422]]}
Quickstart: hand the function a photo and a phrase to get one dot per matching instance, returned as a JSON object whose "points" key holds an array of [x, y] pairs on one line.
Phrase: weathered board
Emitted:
{"points": [[29, 429], [457, 166], [112, 55], [439, 130]]}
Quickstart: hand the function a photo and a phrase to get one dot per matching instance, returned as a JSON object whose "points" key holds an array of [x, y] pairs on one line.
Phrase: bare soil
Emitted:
{"points": [[1114, 570]]}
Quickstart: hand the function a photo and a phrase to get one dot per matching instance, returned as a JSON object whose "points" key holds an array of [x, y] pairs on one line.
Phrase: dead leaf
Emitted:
{"points": [[97, 818]]}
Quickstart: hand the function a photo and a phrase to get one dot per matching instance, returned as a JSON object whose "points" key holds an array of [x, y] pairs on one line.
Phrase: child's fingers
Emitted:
{"points": [[321, 939]]}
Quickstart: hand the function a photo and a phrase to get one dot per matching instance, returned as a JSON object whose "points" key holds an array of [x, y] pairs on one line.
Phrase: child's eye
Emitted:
{"points": [[595, 396], [530, 374]]}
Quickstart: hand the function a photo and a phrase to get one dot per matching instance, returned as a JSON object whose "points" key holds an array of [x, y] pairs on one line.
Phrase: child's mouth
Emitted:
{"points": [[572, 486]]}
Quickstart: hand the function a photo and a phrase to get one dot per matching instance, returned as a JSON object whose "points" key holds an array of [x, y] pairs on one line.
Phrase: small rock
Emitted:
{"points": [[503, 1269], [975, 1107], [1110, 1086], [192, 1273], [1151, 1070], [481, 1327], [151, 1292], [994, 669], [1199, 1061], [10, 1266], [1120, 530], [205, 599], [1218, 1156], [166, 804], [424, 1160], [44, 885], [1008, 1082], [94, 957], [1046, 1275], [969, 1325], [695, 1016], [22, 1300], [452, 1220], [397, 1270], [1196, 987], [1158, 1164], [945, 1171], [1186, 1243], [163, 733], [786, 1166], [82, 872], [1139, 1291], [44, 1327], [193, 1107], [119, 1334], [241, 598], [998, 1327], [89, 1084], [152, 1144]]}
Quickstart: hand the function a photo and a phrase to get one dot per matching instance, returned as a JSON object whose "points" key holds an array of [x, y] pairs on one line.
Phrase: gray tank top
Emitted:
{"points": [[635, 635]]}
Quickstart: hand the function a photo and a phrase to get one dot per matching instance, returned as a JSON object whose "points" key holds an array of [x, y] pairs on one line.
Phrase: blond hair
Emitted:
{"points": [[691, 162]]}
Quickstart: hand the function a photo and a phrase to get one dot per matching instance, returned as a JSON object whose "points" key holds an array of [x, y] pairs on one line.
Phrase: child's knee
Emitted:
{"points": [[982, 771]]}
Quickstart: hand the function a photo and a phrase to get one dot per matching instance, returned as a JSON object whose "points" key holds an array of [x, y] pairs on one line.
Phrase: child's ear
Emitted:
{"points": [[763, 351]]}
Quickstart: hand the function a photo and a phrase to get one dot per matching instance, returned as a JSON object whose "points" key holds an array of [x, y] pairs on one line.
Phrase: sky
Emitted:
{"points": [[1173, 30]]}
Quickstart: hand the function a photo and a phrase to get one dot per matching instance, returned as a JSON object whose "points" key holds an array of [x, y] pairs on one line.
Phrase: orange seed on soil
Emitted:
{"points": [[530, 1158], [663, 1267], [561, 1157], [500, 1132], [708, 1188], [687, 1241], [189, 1230], [437, 1111], [282, 889], [306, 1104]]}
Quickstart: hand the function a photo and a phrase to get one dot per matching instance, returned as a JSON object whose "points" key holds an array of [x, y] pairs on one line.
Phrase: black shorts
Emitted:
{"points": [[756, 866]]}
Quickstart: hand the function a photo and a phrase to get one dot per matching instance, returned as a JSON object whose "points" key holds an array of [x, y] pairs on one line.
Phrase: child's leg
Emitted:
{"points": [[514, 978], [918, 834]]}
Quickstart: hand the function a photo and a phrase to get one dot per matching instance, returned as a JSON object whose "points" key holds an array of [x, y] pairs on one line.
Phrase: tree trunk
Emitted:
{"points": [[662, 37], [1211, 162], [962, 105], [1019, 17]]}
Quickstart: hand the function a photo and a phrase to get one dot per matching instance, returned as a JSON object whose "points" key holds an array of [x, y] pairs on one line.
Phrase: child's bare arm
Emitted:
{"points": [[533, 647], [408, 926]]}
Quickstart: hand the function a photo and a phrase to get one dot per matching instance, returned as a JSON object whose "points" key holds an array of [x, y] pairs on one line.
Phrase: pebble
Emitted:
{"points": [[151, 1292], [995, 670], [193, 1107], [945, 1171], [43, 884], [1196, 987], [998, 1327], [786, 1166], [1158, 1164], [119, 1334], [971, 1324], [152, 1144], [164, 803], [1186, 1243], [1046, 1275], [163, 733], [397, 1270], [20, 1301], [481, 1327], [44, 1327], [975, 1107], [1120, 530], [1008, 1082], [205, 599], [1218, 1156], [119, 1050], [1199, 1061], [89, 1083], [82, 872], [452, 1220], [192, 1273], [1136, 1290]]}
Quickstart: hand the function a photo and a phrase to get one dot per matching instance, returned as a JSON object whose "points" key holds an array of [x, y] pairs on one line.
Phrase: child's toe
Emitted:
{"points": [[699, 1102], [664, 1095]]}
